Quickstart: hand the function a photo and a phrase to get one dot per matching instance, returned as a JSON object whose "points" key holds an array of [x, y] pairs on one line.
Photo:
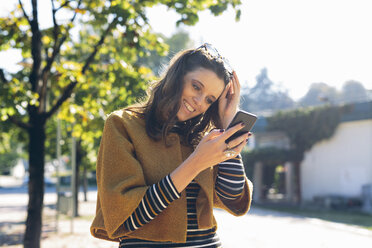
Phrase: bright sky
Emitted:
{"points": [[299, 42]]}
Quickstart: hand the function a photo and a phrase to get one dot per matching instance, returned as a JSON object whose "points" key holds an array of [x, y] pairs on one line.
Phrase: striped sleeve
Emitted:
{"points": [[156, 199], [230, 178]]}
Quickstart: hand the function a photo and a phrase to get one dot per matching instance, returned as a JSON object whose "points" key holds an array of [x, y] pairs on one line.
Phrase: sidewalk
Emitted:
{"points": [[13, 213], [10, 182], [81, 237], [11, 232]]}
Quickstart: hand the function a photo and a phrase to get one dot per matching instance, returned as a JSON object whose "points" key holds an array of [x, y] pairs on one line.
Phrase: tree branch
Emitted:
{"points": [[55, 25], [19, 123], [69, 88], [46, 69], [2, 76], [96, 47], [24, 12], [35, 48], [58, 43], [63, 5], [66, 94], [56, 49]]}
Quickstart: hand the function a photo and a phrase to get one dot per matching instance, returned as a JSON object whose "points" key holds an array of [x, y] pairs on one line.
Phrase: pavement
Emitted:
{"points": [[259, 228]]}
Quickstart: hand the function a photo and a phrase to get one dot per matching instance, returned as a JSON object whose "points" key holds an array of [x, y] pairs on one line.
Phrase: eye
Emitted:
{"points": [[195, 87], [209, 101]]}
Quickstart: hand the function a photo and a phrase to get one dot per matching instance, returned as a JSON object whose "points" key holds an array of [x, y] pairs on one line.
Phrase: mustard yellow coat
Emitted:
{"points": [[128, 162]]}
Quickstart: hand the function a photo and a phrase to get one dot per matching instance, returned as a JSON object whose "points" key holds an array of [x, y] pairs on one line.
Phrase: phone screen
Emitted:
{"points": [[248, 119]]}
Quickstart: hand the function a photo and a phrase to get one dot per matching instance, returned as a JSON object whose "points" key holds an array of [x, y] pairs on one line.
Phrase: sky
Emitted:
{"points": [[299, 42]]}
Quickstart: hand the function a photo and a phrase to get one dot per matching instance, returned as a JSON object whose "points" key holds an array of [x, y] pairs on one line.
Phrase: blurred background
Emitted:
{"points": [[304, 67]]}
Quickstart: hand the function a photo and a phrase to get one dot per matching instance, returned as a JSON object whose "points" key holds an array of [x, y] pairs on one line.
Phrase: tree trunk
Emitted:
{"points": [[79, 157], [36, 181]]}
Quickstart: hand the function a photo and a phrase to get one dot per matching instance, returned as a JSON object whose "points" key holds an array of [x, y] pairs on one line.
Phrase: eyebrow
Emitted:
{"points": [[214, 98]]}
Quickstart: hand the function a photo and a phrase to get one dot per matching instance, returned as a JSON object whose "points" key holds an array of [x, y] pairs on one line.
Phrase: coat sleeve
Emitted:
{"points": [[120, 180]]}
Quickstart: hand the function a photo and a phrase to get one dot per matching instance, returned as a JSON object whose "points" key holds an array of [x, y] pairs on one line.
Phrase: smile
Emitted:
{"points": [[188, 106]]}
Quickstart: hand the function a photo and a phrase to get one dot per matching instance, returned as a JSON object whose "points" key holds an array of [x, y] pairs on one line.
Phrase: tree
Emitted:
{"points": [[353, 91], [266, 95], [9, 147], [319, 94], [116, 33], [178, 41]]}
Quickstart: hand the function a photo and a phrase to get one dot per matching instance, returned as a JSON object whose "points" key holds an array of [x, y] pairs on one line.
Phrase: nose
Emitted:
{"points": [[197, 101]]}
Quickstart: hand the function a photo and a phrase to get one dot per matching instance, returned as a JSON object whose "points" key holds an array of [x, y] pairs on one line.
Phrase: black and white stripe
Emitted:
{"points": [[230, 178], [229, 185], [203, 238], [156, 199]]}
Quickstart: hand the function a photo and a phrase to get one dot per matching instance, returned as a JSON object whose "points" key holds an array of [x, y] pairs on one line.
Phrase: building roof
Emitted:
{"points": [[359, 111]]}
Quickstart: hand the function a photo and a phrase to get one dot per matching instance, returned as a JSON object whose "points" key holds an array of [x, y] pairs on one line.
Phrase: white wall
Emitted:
{"points": [[340, 165]]}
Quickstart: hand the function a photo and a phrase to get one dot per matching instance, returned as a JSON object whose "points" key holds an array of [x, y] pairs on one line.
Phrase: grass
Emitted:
{"points": [[341, 216]]}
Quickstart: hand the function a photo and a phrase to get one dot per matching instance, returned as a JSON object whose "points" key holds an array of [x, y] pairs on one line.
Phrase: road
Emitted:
{"points": [[259, 229], [268, 229]]}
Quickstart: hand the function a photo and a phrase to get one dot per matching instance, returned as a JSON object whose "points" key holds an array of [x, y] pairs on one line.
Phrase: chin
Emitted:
{"points": [[181, 119]]}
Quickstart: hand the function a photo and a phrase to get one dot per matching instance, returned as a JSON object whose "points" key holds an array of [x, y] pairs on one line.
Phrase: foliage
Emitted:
{"points": [[269, 156], [353, 91], [307, 126], [304, 128], [82, 76], [321, 93], [10, 148], [175, 43], [114, 79], [7, 161]]}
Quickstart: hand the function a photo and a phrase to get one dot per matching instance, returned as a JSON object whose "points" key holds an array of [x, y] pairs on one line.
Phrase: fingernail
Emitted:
{"points": [[250, 134], [222, 130], [246, 140], [242, 124]]}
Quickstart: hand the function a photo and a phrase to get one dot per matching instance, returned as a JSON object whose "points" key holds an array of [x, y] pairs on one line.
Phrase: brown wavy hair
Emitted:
{"points": [[163, 101]]}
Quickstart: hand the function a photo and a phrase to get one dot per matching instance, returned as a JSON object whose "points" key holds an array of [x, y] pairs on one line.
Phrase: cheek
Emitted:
{"points": [[209, 107], [187, 92]]}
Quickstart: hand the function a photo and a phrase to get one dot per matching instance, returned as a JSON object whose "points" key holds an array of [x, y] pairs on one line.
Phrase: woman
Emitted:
{"points": [[162, 166]]}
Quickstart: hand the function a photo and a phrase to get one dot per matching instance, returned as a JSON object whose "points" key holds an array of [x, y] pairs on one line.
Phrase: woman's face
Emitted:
{"points": [[202, 88]]}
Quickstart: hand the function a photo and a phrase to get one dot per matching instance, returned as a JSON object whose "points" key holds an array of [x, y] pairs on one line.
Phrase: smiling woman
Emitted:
{"points": [[202, 87], [162, 165]]}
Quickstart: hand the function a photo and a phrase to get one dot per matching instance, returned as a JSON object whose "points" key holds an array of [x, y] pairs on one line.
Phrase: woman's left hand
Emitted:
{"points": [[229, 101]]}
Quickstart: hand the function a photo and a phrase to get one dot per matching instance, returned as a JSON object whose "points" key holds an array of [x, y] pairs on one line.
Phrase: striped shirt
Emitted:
{"points": [[229, 186]]}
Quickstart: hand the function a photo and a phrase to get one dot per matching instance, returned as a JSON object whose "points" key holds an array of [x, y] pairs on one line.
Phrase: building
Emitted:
{"points": [[340, 166]]}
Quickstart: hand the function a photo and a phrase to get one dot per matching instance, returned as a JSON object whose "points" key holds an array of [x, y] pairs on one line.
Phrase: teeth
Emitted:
{"points": [[188, 107]]}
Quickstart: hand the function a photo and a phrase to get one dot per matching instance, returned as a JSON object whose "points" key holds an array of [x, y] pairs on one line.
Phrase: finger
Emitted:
{"points": [[240, 147], [233, 130], [232, 86], [236, 79], [238, 140], [236, 85], [214, 133]]}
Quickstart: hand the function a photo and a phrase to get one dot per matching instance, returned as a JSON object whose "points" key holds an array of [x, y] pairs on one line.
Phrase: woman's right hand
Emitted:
{"points": [[210, 150]]}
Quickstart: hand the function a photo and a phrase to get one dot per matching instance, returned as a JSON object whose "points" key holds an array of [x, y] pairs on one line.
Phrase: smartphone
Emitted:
{"points": [[242, 116]]}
